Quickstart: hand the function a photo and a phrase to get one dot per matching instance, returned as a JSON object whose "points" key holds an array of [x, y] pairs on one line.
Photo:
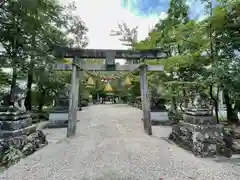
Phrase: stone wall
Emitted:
{"points": [[15, 148], [199, 133]]}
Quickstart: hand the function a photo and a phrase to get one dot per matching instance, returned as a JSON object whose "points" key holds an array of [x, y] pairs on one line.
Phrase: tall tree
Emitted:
{"points": [[52, 18], [38, 19], [13, 37]]}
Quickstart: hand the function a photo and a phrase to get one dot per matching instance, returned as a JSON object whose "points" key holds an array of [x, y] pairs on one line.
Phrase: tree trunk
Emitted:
{"points": [[185, 100], [173, 104], [28, 99], [215, 103], [14, 73], [13, 87], [41, 102], [231, 114]]}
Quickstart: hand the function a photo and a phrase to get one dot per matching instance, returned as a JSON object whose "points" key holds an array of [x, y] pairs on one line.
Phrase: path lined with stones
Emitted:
{"points": [[110, 144]]}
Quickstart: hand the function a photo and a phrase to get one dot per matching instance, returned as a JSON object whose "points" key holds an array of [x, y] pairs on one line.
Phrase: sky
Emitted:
{"points": [[103, 16]]}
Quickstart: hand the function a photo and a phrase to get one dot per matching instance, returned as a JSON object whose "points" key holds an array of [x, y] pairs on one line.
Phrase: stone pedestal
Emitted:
{"points": [[15, 122], [17, 132], [159, 117], [158, 112], [58, 117], [200, 133]]}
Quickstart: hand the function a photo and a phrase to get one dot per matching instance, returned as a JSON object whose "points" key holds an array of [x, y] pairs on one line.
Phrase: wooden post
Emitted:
{"points": [[145, 100], [72, 114], [77, 94], [142, 98]]}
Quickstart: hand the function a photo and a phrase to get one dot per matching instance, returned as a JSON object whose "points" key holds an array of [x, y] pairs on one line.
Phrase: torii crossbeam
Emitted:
{"points": [[110, 55]]}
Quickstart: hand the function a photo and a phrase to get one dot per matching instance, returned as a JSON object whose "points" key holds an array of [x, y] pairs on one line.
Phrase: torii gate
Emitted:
{"points": [[110, 55]]}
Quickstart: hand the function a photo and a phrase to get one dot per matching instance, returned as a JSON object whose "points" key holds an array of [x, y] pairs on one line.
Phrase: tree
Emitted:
{"points": [[49, 84], [27, 34], [202, 54], [128, 36], [74, 28], [225, 21], [13, 37], [39, 19], [166, 35]]}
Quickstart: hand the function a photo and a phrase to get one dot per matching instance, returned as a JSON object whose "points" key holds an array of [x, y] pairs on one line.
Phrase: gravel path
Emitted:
{"points": [[110, 144]]}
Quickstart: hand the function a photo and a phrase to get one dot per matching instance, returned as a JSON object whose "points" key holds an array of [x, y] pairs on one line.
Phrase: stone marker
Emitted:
{"points": [[58, 117], [158, 111]]}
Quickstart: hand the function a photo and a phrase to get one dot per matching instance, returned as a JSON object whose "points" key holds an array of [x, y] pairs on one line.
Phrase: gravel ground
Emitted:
{"points": [[110, 144]]}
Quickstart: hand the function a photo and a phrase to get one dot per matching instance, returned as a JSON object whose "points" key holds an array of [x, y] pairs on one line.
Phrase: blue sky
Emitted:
{"points": [[150, 7], [146, 7]]}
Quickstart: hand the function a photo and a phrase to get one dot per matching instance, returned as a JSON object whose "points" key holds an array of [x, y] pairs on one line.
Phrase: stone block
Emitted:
{"points": [[58, 119], [211, 130], [57, 124], [13, 116], [201, 117], [202, 140], [58, 116], [15, 125], [24, 131], [159, 116], [25, 145]]}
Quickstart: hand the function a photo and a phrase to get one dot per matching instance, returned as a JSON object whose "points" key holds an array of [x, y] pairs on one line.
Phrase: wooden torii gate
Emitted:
{"points": [[110, 56]]}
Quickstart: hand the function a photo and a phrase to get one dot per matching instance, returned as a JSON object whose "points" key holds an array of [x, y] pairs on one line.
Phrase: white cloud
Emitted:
{"points": [[103, 16]]}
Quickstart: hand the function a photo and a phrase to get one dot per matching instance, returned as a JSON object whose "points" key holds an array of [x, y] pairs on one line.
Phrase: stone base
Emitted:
{"points": [[160, 118], [24, 131], [58, 120], [58, 116], [57, 124], [199, 119], [15, 148], [202, 140], [199, 132], [15, 125]]}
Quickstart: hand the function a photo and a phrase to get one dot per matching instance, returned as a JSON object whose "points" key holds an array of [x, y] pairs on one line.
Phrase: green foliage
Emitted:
{"points": [[4, 79], [202, 54], [28, 32]]}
